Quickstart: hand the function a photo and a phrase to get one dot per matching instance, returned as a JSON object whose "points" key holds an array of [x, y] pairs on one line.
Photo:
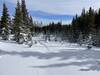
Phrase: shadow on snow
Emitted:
{"points": [[63, 55]]}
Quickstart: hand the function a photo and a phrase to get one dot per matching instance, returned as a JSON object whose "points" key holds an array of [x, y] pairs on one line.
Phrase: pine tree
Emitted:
{"points": [[26, 28], [27, 20], [18, 22], [75, 28], [25, 13], [5, 23], [32, 27], [0, 26], [92, 21]]}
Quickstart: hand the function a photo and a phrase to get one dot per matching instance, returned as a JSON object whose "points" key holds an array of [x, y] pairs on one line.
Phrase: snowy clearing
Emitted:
{"points": [[48, 58]]}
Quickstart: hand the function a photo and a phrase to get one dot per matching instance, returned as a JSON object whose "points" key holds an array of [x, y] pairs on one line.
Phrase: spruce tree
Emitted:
{"points": [[91, 21], [25, 16], [27, 20], [25, 13], [0, 26], [26, 24], [18, 22], [32, 27], [5, 23]]}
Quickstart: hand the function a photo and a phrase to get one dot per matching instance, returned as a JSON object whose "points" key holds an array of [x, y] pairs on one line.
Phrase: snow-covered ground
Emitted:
{"points": [[48, 58]]}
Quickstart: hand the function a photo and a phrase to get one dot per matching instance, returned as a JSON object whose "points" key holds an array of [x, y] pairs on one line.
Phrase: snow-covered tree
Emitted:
{"points": [[80, 39], [89, 41], [22, 24], [5, 23], [31, 25], [18, 22], [27, 21]]}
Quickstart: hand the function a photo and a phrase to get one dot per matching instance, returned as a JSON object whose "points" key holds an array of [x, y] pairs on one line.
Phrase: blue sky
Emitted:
{"points": [[57, 8]]}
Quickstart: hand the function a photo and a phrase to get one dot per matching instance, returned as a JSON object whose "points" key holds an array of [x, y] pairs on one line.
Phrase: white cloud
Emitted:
{"points": [[60, 6]]}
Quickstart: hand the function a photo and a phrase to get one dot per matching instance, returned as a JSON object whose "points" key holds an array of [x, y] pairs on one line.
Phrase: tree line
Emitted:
{"points": [[85, 28], [87, 25]]}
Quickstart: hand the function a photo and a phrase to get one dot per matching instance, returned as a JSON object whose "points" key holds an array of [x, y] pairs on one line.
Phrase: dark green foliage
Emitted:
{"points": [[26, 18], [23, 24], [87, 23], [52, 28], [18, 22], [5, 23], [84, 26]]}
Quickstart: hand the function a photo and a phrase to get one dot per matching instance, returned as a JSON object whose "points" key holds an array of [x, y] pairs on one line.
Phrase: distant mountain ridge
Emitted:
{"points": [[45, 15], [39, 14]]}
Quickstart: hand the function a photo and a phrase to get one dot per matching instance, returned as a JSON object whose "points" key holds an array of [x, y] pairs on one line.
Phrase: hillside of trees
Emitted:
{"points": [[85, 28]]}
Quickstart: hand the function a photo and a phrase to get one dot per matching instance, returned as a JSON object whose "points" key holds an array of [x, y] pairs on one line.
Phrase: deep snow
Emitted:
{"points": [[48, 58]]}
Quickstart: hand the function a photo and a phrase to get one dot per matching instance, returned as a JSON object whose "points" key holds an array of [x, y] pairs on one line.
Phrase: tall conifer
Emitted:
{"points": [[5, 23]]}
